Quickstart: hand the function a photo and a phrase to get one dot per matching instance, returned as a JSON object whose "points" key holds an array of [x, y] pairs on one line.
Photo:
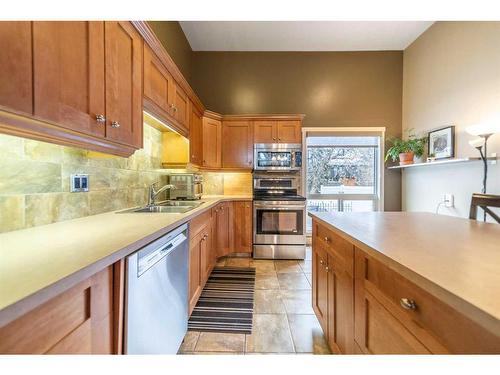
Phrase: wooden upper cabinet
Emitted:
{"points": [[68, 61], [265, 131], [242, 227], [237, 148], [157, 83], [181, 106], [289, 131], [123, 55], [212, 134], [195, 136], [277, 131], [16, 73]]}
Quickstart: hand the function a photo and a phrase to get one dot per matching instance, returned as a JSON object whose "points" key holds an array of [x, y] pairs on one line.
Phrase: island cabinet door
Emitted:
{"points": [[78, 321], [340, 307], [68, 64], [411, 314], [320, 285], [123, 56]]}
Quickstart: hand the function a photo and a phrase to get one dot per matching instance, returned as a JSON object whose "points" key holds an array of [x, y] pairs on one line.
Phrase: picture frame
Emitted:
{"points": [[441, 143]]}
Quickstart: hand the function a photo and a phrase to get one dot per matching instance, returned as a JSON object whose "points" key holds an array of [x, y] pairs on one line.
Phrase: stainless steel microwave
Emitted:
{"points": [[277, 157]]}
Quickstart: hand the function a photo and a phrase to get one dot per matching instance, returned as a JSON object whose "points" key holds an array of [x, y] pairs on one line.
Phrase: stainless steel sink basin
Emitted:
{"points": [[171, 207]]}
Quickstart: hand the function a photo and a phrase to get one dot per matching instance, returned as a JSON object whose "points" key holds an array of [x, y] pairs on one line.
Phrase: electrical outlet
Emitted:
{"points": [[449, 200], [79, 183]]}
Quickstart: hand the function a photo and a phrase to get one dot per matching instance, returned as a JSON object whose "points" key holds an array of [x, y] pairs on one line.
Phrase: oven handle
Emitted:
{"points": [[280, 208]]}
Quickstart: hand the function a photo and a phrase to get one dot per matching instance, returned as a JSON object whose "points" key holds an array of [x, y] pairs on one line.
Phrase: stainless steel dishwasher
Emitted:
{"points": [[156, 312]]}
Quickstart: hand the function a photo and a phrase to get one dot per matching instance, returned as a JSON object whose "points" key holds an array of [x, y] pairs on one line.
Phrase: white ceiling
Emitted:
{"points": [[302, 35]]}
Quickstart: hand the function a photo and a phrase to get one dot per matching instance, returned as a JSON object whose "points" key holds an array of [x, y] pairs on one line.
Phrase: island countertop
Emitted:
{"points": [[455, 259], [38, 263]]}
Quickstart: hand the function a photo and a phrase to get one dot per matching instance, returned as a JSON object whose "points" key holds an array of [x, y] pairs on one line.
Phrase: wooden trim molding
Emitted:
{"points": [[154, 43], [249, 117], [45, 131]]}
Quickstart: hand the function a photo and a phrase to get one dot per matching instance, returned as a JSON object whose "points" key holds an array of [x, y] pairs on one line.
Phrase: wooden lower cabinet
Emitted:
{"points": [[242, 227], [333, 287], [364, 306], [78, 321], [223, 224]]}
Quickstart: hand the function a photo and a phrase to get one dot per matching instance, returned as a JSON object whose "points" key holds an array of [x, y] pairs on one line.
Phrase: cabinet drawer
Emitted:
{"points": [[199, 222], [340, 250], [437, 325]]}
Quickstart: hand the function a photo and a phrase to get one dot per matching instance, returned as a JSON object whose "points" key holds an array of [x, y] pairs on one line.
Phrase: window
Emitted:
{"points": [[342, 173]]}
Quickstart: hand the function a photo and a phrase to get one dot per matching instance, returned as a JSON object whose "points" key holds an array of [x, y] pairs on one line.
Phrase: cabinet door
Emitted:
{"points": [[69, 74], [237, 150], [223, 234], [78, 321], [211, 143], [181, 106], [320, 285], [378, 332], [265, 131], [242, 224], [195, 272], [195, 136], [123, 50], [289, 132], [340, 308], [157, 82], [206, 254], [16, 88]]}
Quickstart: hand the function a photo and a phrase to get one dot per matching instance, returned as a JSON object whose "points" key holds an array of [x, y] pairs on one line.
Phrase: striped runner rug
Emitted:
{"points": [[226, 302]]}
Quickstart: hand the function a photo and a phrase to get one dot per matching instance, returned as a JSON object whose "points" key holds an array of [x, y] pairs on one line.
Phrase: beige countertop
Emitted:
{"points": [[38, 263], [455, 259]]}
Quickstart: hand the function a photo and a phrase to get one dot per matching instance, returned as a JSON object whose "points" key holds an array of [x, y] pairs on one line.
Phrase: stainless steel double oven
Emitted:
{"points": [[279, 216]]}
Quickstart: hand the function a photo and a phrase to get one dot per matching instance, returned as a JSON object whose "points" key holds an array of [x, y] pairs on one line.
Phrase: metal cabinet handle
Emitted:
{"points": [[327, 239], [100, 119], [408, 304], [327, 269], [115, 124], [321, 262]]}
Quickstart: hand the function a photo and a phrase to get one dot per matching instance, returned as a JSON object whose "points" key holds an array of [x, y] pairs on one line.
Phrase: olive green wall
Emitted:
{"points": [[173, 39], [330, 88]]}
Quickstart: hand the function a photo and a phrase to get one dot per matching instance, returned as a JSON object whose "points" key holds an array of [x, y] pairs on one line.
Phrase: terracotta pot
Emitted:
{"points": [[406, 158]]}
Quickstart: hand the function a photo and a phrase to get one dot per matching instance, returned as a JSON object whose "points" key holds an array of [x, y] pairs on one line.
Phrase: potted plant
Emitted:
{"points": [[406, 149]]}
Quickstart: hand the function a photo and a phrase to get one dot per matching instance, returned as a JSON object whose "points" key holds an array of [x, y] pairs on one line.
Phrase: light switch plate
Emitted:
{"points": [[79, 183]]}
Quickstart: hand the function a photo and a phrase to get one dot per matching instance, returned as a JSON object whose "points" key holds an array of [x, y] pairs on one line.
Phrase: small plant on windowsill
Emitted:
{"points": [[406, 149]]}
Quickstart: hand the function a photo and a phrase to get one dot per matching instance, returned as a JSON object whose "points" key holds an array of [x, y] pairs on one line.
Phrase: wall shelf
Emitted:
{"points": [[440, 162]]}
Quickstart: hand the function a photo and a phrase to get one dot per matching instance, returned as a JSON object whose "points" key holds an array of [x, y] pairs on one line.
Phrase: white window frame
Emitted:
{"points": [[348, 131]]}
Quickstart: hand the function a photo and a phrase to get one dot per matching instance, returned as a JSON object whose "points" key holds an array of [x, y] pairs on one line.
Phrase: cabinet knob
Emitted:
{"points": [[327, 269], [115, 124], [100, 119], [408, 304], [327, 239], [321, 262]]}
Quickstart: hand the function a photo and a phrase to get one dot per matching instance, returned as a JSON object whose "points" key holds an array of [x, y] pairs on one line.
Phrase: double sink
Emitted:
{"points": [[171, 207]]}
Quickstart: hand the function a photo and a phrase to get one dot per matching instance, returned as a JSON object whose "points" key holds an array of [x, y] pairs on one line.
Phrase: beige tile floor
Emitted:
{"points": [[283, 323]]}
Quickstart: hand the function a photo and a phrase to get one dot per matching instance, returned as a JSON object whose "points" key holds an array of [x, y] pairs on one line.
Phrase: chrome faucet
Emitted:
{"points": [[153, 193]]}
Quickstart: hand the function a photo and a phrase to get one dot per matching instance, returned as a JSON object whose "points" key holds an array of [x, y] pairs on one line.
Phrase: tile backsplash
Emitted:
{"points": [[229, 183], [35, 180]]}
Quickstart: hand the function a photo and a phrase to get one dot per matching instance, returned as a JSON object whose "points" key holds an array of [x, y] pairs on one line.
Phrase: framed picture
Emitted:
{"points": [[441, 143]]}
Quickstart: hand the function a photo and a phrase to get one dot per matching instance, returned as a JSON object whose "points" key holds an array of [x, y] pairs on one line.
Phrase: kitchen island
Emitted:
{"points": [[401, 282]]}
